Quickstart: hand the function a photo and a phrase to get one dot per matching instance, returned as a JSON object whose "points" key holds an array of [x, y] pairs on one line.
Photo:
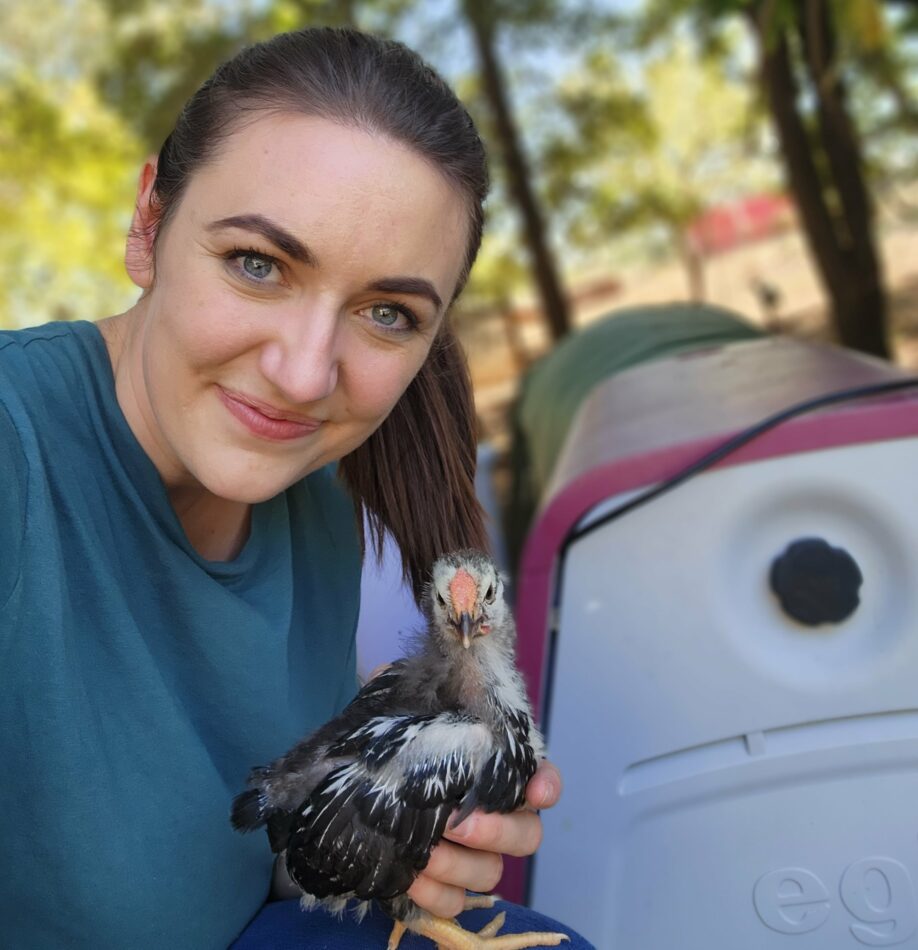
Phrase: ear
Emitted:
{"points": [[138, 256]]}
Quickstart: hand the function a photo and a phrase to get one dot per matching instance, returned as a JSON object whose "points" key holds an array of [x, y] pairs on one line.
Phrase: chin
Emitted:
{"points": [[241, 484]]}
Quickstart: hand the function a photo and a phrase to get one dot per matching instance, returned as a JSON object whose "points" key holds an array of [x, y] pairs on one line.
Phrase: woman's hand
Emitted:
{"points": [[469, 857]]}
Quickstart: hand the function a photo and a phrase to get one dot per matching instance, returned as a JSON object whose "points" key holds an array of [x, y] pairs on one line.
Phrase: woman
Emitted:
{"points": [[178, 590]]}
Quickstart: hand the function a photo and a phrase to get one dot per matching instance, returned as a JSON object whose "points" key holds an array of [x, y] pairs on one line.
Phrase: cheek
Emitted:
{"points": [[375, 385], [208, 330]]}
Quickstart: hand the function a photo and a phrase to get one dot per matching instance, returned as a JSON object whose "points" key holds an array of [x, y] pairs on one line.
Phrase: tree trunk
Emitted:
{"points": [[693, 261], [866, 311], [554, 303], [514, 334], [842, 244]]}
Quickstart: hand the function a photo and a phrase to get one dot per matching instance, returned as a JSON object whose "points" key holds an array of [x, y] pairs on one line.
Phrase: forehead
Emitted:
{"points": [[361, 195], [446, 570]]}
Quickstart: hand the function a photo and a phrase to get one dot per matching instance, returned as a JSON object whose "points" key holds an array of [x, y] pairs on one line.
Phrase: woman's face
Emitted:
{"points": [[298, 287]]}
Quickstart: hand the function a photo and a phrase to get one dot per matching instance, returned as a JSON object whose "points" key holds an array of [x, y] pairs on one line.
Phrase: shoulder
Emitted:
{"points": [[38, 363], [45, 375], [19, 343]]}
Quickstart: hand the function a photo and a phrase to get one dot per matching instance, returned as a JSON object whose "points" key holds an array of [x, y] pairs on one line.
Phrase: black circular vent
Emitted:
{"points": [[815, 582]]}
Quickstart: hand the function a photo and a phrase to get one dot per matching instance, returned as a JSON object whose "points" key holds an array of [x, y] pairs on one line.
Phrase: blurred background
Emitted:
{"points": [[760, 155]]}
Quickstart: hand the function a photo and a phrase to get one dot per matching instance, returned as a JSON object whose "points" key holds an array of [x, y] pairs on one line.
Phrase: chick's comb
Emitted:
{"points": [[463, 592]]}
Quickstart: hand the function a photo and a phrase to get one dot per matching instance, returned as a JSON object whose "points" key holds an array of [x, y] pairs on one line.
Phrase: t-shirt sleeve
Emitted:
{"points": [[13, 482]]}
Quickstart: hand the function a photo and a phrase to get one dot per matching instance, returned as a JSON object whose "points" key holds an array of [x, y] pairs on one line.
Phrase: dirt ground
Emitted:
{"points": [[781, 261]]}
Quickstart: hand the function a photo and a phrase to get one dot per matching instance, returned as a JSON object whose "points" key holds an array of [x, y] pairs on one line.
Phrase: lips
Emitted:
{"points": [[266, 421]]}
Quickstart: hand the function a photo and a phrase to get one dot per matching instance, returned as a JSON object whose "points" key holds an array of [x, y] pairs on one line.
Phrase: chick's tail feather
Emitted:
{"points": [[249, 810]]}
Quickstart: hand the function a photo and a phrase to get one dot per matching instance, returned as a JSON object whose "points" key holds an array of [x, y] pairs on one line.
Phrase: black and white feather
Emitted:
{"points": [[357, 807]]}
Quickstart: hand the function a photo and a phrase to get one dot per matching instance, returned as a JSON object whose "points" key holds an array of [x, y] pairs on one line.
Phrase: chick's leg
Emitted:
{"points": [[395, 937], [472, 902], [479, 901], [448, 935]]}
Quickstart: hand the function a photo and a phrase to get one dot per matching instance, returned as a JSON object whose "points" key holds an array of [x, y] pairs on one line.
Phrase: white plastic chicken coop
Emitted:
{"points": [[735, 714]]}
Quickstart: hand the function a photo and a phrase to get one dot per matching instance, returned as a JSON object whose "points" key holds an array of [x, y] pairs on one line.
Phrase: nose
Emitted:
{"points": [[301, 357]]}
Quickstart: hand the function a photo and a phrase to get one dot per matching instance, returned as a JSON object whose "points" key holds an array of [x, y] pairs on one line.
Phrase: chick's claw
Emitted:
{"points": [[491, 928]]}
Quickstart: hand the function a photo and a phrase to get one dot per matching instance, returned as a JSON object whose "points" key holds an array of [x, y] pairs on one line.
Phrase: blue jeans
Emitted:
{"points": [[282, 925]]}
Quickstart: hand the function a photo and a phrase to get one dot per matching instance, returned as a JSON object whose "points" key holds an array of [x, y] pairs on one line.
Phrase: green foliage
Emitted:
{"points": [[861, 24], [67, 172], [656, 149]]}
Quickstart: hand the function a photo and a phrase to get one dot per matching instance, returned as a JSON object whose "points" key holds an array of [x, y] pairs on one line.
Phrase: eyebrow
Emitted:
{"points": [[280, 237], [413, 286], [293, 247]]}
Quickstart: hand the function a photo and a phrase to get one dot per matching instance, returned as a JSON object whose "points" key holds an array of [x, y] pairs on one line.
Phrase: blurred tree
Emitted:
{"points": [[483, 17], [497, 274], [825, 170], [67, 170], [162, 50], [885, 104], [653, 151], [805, 81]]}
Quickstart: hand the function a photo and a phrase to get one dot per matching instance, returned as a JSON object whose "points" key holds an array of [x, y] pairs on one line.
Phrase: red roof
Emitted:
{"points": [[729, 225]]}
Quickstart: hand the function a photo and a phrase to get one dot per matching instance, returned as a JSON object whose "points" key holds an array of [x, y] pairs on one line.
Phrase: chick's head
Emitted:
{"points": [[465, 599]]}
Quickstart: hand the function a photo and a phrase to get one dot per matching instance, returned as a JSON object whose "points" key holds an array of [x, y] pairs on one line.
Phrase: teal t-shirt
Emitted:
{"points": [[140, 682]]}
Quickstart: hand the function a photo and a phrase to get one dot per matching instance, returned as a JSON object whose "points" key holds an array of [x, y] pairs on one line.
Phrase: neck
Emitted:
{"points": [[472, 678], [216, 528]]}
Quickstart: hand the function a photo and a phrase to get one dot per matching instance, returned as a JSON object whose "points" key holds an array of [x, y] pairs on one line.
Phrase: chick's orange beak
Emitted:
{"points": [[462, 593]]}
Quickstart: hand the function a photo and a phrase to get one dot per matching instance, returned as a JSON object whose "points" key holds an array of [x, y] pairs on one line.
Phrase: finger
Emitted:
{"points": [[544, 788], [519, 833], [465, 867], [442, 900]]}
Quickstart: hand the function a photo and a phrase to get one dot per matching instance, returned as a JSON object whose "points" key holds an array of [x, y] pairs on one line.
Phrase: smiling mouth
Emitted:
{"points": [[267, 422]]}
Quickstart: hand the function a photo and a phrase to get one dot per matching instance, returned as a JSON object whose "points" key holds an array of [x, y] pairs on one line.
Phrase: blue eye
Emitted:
{"points": [[254, 266], [257, 266], [394, 317], [385, 315]]}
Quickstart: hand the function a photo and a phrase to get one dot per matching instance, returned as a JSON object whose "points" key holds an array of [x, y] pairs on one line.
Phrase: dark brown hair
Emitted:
{"points": [[415, 474]]}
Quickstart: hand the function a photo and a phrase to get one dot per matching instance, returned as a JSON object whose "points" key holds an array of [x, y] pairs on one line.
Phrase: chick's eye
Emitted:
{"points": [[490, 593], [440, 599]]}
